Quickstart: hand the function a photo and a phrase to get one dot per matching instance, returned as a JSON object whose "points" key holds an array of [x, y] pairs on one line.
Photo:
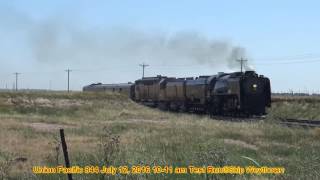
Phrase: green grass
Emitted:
{"points": [[108, 129]]}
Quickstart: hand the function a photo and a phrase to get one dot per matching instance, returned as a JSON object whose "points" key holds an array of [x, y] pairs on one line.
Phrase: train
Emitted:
{"points": [[236, 94]]}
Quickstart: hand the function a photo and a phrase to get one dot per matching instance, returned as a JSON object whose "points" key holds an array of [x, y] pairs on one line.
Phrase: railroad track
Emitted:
{"points": [[290, 122], [238, 119], [300, 122]]}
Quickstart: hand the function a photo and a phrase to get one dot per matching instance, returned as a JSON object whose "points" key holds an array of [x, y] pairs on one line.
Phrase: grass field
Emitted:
{"points": [[108, 129], [300, 107]]}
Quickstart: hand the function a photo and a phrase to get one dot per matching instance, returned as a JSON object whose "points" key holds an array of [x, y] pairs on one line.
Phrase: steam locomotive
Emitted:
{"points": [[237, 93]]}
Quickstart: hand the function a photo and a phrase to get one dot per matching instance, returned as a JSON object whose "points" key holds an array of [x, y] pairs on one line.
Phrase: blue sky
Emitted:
{"points": [[278, 37]]}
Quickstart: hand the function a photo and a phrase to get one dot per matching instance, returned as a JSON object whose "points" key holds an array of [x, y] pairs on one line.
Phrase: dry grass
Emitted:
{"points": [[110, 129], [300, 107]]}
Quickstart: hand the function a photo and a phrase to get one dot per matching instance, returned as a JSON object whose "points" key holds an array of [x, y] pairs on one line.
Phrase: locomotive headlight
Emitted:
{"points": [[254, 87]]}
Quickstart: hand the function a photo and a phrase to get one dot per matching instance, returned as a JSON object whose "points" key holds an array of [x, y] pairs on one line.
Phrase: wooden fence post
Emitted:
{"points": [[65, 152]]}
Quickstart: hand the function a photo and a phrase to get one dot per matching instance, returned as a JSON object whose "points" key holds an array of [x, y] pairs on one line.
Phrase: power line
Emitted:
{"points": [[143, 65], [304, 58], [288, 58], [289, 62], [68, 71]]}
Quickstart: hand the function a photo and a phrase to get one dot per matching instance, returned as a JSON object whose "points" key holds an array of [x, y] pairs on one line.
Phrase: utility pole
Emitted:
{"points": [[68, 71], [242, 62], [50, 84], [16, 74], [143, 65]]}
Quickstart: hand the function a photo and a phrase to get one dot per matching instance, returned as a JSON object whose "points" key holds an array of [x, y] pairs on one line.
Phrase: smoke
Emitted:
{"points": [[67, 43], [56, 41]]}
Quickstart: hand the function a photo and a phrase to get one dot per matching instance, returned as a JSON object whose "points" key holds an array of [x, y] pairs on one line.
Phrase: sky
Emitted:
{"points": [[105, 41]]}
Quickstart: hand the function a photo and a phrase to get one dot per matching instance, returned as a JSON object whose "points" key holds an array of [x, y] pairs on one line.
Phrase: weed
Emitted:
{"points": [[109, 146], [6, 162], [55, 145]]}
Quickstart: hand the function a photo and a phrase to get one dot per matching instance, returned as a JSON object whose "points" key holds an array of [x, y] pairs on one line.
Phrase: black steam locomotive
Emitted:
{"points": [[238, 93]]}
